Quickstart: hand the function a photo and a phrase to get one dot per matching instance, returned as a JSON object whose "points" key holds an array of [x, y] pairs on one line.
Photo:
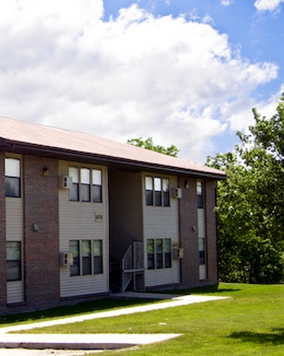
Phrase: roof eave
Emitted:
{"points": [[64, 154]]}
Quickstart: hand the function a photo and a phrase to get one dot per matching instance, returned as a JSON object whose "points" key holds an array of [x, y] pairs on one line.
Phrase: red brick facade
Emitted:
{"points": [[211, 231], [41, 248], [41, 267], [189, 233]]}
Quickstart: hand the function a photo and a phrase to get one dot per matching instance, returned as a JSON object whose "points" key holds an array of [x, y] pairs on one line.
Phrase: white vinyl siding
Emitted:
{"points": [[161, 223], [83, 221], [202, 244], [14, 233], [201, 230], [201, 223]]}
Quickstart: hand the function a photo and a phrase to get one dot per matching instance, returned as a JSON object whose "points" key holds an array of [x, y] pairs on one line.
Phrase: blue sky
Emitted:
{"points": [[184, 72], [258, 35]]}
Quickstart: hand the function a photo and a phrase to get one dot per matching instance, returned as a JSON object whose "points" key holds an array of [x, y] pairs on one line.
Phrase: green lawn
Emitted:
{"points": [[251, 322]]}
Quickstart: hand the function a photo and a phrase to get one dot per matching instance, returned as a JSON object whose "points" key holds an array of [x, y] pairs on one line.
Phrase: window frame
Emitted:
{"points": [[75, 269], [15, 263], [13, 177], [158, 256], [202, 250], [151, 254], [84, 187], [200, 194], [167, 253], [97, 186], [98, 258], [85, 258], [85, 184], [157, 191], [149, 191]]}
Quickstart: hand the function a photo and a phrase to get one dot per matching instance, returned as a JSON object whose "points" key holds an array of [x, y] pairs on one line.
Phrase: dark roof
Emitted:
{"points": [[24, 137]]}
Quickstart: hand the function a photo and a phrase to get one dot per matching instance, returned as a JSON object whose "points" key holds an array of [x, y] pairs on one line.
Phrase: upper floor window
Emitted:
{"points": [[200, 195], [157, 191], [87, 184], [74, 191], [12, 177], [97, 185]]}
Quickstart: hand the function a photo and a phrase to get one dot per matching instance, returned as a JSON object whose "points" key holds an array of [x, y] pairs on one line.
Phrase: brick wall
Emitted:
{"points": [[188, 232], [3, 297], [212, 254], [41, 248]]}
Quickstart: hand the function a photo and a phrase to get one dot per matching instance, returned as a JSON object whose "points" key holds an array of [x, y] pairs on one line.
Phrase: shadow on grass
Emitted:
{"points": [[227, 290], [215, 289], [72, 310], [276, 337]]}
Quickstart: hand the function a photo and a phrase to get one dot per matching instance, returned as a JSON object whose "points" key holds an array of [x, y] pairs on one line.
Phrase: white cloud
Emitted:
{"points": [[267, 5], [240, 119], [226, 2], [137, 75], [208, 19]]}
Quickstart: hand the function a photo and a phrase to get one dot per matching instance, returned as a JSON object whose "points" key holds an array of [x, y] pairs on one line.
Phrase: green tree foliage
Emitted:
{"points": [[251, 203], [149, 145]]}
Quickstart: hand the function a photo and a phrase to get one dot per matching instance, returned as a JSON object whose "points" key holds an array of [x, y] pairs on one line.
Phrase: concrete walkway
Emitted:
{"points": [[92, 342]]}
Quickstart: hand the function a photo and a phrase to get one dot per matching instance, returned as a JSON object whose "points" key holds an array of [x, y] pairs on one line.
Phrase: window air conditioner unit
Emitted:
{"points": [[66, 259], [65, 182], [177, 253], [176, 193]]}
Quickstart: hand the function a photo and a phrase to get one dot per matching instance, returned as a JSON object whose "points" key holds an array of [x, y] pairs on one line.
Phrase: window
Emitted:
{"points": [[149, 190], [74, 248], [87, 257], [151, 254], [159, 253], [168, 253], [157, 191], [200, 197], [14, 261], [87, 183], [12, 177], [166, 192], [98, 256], [74, 191], [97, 185], [201, 243]]}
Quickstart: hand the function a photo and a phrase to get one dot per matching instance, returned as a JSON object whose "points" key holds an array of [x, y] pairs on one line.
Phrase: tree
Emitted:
{"points": [[250, 203], [149, 145]]}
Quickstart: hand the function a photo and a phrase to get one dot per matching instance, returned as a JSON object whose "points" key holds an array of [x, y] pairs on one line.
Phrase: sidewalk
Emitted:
{"points": [[93, 342]]}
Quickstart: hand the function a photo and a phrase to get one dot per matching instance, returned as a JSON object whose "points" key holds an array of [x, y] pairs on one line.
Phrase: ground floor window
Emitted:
{"points": [[87, 257], [14, 261], [201, 243], [159, 253]]}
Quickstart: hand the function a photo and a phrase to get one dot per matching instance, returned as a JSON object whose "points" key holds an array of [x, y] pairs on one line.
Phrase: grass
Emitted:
{"points": [[251, 322], [69, 311]]}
